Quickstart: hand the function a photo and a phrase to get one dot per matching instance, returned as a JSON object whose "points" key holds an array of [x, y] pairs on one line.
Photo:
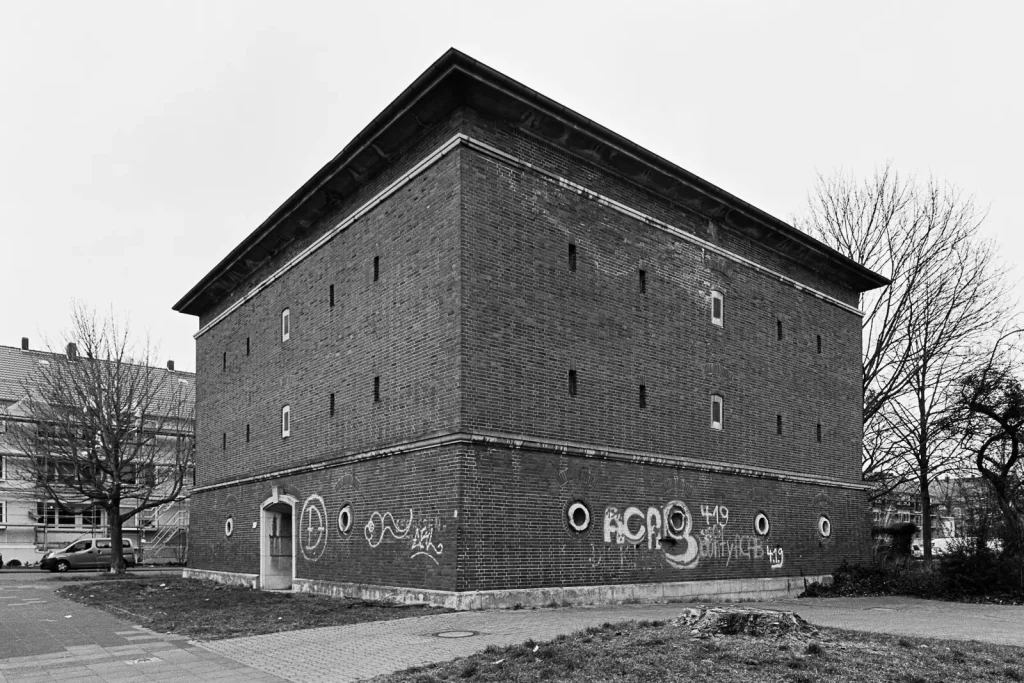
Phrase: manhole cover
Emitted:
{"points": [[455, 634]]}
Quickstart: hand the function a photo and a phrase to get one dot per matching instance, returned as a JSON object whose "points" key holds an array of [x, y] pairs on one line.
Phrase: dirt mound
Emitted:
{"points": [[730, 621]]}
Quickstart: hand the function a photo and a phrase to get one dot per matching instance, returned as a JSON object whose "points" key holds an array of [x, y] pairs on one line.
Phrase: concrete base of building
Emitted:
{"points": [[724, 590], [229, 578]]}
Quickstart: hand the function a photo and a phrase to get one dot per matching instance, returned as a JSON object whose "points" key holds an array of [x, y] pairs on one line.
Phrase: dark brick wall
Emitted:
{"points": [[522, 143], [402, 328], [514, 531], [403, 531], [528, 320]]}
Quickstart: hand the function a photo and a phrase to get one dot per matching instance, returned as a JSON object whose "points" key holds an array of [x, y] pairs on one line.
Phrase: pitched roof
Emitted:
{"points": [[17, 367], [457, 79]]}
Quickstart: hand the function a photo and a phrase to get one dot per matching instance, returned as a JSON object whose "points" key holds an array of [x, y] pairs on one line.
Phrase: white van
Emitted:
{"points": [[87, 553]]}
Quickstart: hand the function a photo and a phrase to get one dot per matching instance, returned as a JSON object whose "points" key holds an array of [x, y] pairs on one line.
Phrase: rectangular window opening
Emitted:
{"points": [[572, 383], [247, 433], [247, 346], [376, 389], [717, 309], [643, 281], [332, 405], [819, 432], [716, 412], [778, 424], [376, 268], [643, 396], [286, 324], [286, 421], [330, 295], [224, 441], [572, 258], [224, 362], [819, 343], [778, 329]]}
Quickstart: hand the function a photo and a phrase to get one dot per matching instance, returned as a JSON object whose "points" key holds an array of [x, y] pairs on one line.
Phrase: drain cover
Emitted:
{"points": [[455, 634]]}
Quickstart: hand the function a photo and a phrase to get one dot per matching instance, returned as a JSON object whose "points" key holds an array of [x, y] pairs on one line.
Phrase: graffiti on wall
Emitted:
{"points": [[313, 528], [419, 533], [671, 529]]}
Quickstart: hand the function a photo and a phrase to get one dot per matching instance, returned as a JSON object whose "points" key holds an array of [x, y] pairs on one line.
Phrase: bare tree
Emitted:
{"points": [[987, 413], [99, 426], [947, 291]]}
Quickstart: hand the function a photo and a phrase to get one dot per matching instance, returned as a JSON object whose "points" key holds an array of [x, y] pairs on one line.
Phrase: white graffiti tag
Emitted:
{"points": [[423, 542], [668, 529], [313, 528], [776, 557], [379, 525]]}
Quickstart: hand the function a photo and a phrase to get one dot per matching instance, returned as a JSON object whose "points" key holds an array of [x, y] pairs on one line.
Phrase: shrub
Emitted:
{"points": [[13, 563]]}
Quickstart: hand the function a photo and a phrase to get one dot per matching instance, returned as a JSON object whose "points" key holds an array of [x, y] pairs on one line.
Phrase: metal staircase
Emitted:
{"points": [[169, 520]]}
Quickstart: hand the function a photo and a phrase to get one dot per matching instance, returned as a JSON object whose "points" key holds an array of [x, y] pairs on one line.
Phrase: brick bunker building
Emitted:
{"points": [[494, 353]]}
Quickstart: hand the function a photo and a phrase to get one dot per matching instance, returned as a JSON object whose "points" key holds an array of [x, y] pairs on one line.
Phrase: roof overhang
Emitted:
{"points": [[456, 79]]}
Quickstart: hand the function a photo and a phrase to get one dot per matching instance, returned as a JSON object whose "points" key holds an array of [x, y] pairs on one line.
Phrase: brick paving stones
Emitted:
{"points": [[39, 643]]}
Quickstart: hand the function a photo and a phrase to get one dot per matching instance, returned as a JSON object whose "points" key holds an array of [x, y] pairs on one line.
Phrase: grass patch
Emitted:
{"points": [[211, 611], [644, 652]]}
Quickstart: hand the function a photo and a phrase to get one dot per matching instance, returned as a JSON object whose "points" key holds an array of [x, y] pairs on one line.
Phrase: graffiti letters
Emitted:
{"points": [[776, 557], [313, 528], [419, 534], [671, 529], [667, 528]]}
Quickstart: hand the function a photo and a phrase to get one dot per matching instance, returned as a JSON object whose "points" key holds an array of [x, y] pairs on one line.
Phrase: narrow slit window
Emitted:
{"points": [[376, 268], [224, 441], [643, 281], [717, 412], [643, 395], [778, 329], [818, 432], [247, 346], [819, 343], [778, 424], [286, 324], [332, 405], [572, 258], [572, 383], [247, 433], [224, 362], [717, 309], [286, 421], [330, 295], [376, 389]]}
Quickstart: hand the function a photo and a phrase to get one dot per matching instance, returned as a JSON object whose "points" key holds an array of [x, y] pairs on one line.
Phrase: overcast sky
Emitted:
{"points": [[141, 141]]}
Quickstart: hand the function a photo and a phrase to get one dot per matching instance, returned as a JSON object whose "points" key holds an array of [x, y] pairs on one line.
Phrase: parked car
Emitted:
{"points": [[87, 553]]}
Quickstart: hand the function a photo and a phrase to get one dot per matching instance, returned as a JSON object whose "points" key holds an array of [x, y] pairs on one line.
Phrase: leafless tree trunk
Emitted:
{"points": [[99, 426]]}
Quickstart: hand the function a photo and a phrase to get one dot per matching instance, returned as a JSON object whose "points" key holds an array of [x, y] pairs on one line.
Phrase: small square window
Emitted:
{"points": [[286, 421], [717, 309], [717, 412], [286, 324]]}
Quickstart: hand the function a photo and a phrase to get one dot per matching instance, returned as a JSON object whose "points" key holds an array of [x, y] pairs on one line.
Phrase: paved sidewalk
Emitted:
{"points": [[98, 647], [46, 638]]}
